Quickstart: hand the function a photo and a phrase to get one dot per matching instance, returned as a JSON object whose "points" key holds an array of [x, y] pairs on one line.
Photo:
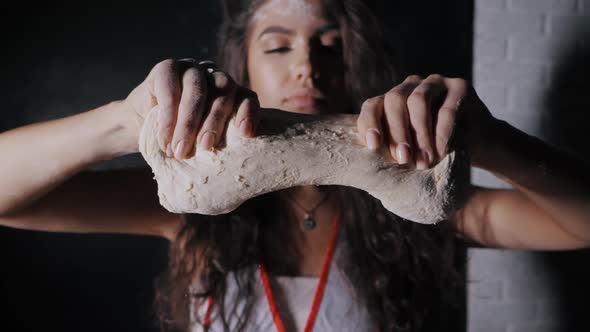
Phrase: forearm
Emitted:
{"points": [[557, 182], [38, 157]]}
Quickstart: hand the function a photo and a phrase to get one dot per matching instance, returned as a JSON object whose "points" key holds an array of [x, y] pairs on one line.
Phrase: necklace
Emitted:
{"points": [[319, 292], [309, 222]]}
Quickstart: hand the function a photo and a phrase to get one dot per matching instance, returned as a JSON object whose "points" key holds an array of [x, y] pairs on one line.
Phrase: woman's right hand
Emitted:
{"points": [[196, 103]]}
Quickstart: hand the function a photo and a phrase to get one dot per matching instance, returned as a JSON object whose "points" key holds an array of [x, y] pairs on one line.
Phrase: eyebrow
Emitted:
{"points": [[282, 30]]}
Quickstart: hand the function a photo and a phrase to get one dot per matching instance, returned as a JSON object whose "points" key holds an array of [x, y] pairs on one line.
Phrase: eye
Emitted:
{"points": [[278, 50]]}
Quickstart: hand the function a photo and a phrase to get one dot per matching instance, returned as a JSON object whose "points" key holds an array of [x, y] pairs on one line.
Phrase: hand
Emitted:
{"points": [[416, 119], [196, 102]]}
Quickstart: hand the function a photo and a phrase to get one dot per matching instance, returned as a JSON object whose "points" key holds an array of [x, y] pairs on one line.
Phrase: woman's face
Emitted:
{"points": [[295, 58]]}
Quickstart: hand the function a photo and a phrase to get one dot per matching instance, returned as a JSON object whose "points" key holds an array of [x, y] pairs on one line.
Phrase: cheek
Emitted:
{"points": [[265, 80]]}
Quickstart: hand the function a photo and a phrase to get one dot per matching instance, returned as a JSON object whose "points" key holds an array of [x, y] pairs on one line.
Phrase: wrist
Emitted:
{"points": [[121, 133], [485, 143]]}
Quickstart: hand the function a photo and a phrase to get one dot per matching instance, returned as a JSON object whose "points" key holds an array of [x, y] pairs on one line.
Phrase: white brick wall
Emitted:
{"points": [[517, 46]]}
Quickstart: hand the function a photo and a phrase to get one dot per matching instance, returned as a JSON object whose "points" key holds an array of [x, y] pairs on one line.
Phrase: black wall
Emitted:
{"points": [[75, 57]]}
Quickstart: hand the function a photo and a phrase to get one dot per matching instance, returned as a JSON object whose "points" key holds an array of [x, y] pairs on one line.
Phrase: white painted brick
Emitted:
{"points": [[529, 288], [535, 327], [494, 96], [528, 121], [536, 49], [490, 4], [508, 72], [563, 25], [485, 290], [527, 99], [539, 6], [500, 314], [490, 47], [500, 23], [486, 264], [549, 311]]}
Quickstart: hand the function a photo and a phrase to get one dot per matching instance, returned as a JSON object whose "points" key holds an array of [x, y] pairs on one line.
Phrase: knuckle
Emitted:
{"points": [[372, 103], [460, 84], [222, 81], [414, 78], [395, 98], [191, 76], [165, 65], [435, 77], [417, 98], [448, 110]]}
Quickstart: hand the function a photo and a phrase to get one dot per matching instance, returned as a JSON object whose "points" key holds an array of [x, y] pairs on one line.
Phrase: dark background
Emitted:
{"points": [[75, 57]]}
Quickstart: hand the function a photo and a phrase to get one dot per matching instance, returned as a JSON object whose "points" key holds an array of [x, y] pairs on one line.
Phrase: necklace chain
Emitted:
{"points": [[309, 221]]}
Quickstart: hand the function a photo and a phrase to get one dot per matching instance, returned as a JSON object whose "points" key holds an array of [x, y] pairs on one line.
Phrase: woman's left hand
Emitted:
{"points": [[415, 119]]}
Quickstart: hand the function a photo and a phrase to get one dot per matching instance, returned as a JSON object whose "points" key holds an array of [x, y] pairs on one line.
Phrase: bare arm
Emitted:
{"points": [[41, 180], [43, 189], [116, 201], [549, 208]]}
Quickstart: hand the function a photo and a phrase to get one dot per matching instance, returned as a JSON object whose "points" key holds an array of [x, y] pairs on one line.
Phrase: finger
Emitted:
{"points": [[223, 90], [190, 112], [369, 122], [166, 87], [246, 118], [398, 122], [420, 104], [447, 114]]}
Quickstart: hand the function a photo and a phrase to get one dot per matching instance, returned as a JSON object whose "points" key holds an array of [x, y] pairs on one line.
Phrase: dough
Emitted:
{"points": [[293, 149]]}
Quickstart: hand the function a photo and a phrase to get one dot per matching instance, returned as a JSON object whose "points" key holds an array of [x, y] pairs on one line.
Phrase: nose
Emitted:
{"points": [[303, 68]]}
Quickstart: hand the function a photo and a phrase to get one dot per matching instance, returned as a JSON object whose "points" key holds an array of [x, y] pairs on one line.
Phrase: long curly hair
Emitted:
{"points": [[404, 273]]}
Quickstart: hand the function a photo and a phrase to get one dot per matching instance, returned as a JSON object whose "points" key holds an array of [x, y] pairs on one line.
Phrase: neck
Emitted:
{"points": [[311, 244]]}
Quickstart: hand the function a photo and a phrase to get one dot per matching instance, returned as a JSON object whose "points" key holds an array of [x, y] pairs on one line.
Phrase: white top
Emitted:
{"points": [[339, 310]]}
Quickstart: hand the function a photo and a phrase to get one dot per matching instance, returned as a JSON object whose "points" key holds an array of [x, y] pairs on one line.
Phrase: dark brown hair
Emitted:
{"points": [[403, 272]]}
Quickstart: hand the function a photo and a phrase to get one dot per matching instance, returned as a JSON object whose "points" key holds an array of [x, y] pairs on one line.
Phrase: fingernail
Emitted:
{"points": [[427, 157], [423, 161], [373, 139], [207, 141], [179, 151], [246, 127], [169, 152], [403, 153]]}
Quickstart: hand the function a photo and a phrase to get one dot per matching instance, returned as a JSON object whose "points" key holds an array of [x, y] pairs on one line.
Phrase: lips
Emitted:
{"points": [[304, 98]]}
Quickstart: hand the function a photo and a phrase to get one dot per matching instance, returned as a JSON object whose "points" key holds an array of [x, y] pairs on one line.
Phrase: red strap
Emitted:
{"points": [[207, 321], [319, 293]]}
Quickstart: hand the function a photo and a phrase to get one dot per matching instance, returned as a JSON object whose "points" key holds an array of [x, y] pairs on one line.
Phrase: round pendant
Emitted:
{"points": [[308, 223]]}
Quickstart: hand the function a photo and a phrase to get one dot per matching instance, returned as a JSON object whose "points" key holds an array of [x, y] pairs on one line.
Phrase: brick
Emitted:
{"points": [[490, 4], [527, 99], [493, 47], [491, 264], [527, 122], [564, 25], [543, 6], [494, 96], [500, 23], [485, 290], [530, 287], [549, 311], [537, 49], [499, 314], [536, 327], [508, 72]]}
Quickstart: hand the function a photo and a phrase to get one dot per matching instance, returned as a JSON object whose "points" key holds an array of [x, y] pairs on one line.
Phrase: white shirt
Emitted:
{"points": [[339, 310]]}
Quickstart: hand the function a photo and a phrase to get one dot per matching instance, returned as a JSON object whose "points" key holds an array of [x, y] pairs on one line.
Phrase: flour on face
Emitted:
{"points": [[302, 9]]}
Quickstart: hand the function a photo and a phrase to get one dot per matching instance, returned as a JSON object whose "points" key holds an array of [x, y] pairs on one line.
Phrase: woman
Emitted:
{"points": [[247, 270]]}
